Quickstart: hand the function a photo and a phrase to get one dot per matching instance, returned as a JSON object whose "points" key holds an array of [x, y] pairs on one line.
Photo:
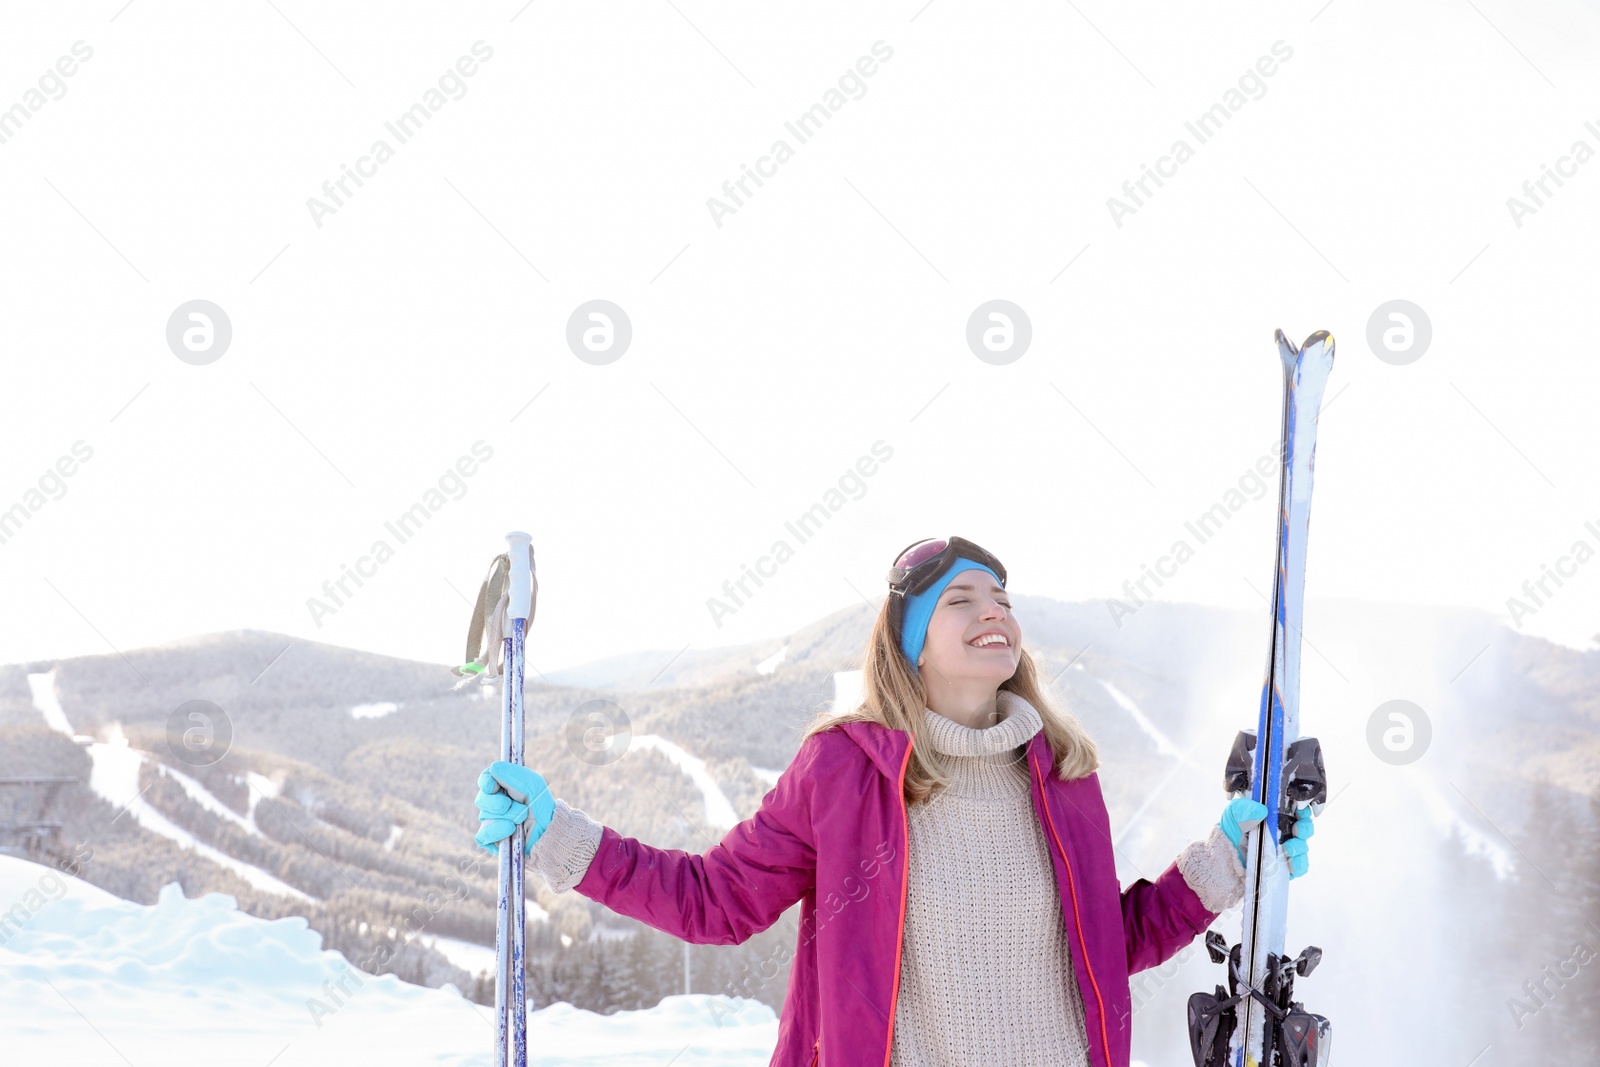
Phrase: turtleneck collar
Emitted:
{"points": [[1019, 722]]}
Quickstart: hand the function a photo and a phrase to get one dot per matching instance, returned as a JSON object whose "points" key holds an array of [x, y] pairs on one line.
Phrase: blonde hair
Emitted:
{"points": [[893, 696]]}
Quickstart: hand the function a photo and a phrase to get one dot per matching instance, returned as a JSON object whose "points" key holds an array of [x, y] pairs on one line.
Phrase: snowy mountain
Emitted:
{"points": [[342, 802]]}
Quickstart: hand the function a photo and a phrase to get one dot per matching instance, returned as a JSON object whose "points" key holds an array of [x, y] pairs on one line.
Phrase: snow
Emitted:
{"points": [[260, 786], [114, 776], [394, 837], [374, 711], [681, 1031], [1164, 746], [91, 979], [770, 664], [766, 774], [480, 959], [43, 687], [208, 800], [719, 812], [468, 955]]}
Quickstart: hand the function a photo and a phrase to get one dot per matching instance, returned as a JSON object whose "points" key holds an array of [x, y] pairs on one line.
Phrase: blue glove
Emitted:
{"points": [[506, 791], [1243, 814], [1295, 847]]}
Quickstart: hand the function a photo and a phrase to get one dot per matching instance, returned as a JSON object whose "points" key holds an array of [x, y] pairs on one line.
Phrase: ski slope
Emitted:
{"points": [[770, 664], [207, 799], [114, 776], [91, 979], [719, 811], [43, 689], [374, 711]]}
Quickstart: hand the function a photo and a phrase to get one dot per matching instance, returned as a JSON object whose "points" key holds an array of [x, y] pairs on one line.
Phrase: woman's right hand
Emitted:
{"points": [[1243, 814], [506, 792]]}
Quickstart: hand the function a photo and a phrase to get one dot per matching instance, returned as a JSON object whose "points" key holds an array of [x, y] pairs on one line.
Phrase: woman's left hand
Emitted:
{"points": [[1295, 847], [1243, 814]]}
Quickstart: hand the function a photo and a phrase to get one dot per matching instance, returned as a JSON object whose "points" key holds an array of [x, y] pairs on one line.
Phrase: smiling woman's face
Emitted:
{"points": [[972, 608]]}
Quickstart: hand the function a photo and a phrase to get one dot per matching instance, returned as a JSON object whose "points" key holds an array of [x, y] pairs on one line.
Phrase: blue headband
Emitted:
{"points": [[919, 609]]}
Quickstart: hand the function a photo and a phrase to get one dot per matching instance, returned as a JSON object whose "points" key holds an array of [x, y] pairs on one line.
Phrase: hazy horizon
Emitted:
{"points": [[552, 667]]}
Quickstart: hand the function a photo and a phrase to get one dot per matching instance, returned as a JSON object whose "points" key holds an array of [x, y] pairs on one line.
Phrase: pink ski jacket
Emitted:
{"points": [[832, 834]]}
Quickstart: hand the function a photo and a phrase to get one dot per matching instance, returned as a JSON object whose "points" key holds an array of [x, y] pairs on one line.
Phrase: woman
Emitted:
{"points": [[948, 844]]}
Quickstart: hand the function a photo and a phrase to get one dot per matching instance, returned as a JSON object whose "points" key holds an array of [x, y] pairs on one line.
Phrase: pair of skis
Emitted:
{"points": [[1256, 1022]]}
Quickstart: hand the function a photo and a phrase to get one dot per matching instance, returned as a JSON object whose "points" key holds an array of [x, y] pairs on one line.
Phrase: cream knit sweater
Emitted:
{"points": [[985, 968]]}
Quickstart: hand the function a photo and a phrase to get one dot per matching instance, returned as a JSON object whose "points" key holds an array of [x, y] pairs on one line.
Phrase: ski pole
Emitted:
{"points": [[510, 925]]}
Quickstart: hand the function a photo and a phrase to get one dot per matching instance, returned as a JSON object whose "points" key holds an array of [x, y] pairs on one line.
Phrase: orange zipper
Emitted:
{"points": [[1072, 888], [905, 884], [816, 1050]]}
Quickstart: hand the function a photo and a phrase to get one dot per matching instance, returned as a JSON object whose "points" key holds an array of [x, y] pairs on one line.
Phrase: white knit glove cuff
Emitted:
{"points": [[565, 849], [1212, 869]]}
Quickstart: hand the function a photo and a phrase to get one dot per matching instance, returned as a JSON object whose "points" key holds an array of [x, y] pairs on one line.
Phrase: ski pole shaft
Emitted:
{"points": [[518, 1000], [519, 607], [502, 931]]}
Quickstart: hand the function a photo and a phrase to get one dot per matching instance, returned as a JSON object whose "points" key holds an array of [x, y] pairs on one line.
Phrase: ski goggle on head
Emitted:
{"points": [[920, 573]]}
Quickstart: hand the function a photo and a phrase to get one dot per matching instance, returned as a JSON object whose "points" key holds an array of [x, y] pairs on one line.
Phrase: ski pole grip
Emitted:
{"points": [[519, 588]]}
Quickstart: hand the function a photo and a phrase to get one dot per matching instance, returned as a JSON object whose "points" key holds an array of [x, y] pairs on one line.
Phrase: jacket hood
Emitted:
{"points": [[884, 745]]}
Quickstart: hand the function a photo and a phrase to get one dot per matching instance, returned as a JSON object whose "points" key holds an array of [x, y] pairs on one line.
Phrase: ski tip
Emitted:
{"points": [[1286, 350], [1318, 350], [1317, 347]]}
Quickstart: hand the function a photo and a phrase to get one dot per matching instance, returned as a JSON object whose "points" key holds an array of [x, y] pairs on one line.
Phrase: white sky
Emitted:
{"points": [[769, 354]]}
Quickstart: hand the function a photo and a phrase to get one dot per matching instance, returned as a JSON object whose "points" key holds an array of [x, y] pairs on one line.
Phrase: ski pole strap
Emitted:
{"points": [[485, 633]]}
